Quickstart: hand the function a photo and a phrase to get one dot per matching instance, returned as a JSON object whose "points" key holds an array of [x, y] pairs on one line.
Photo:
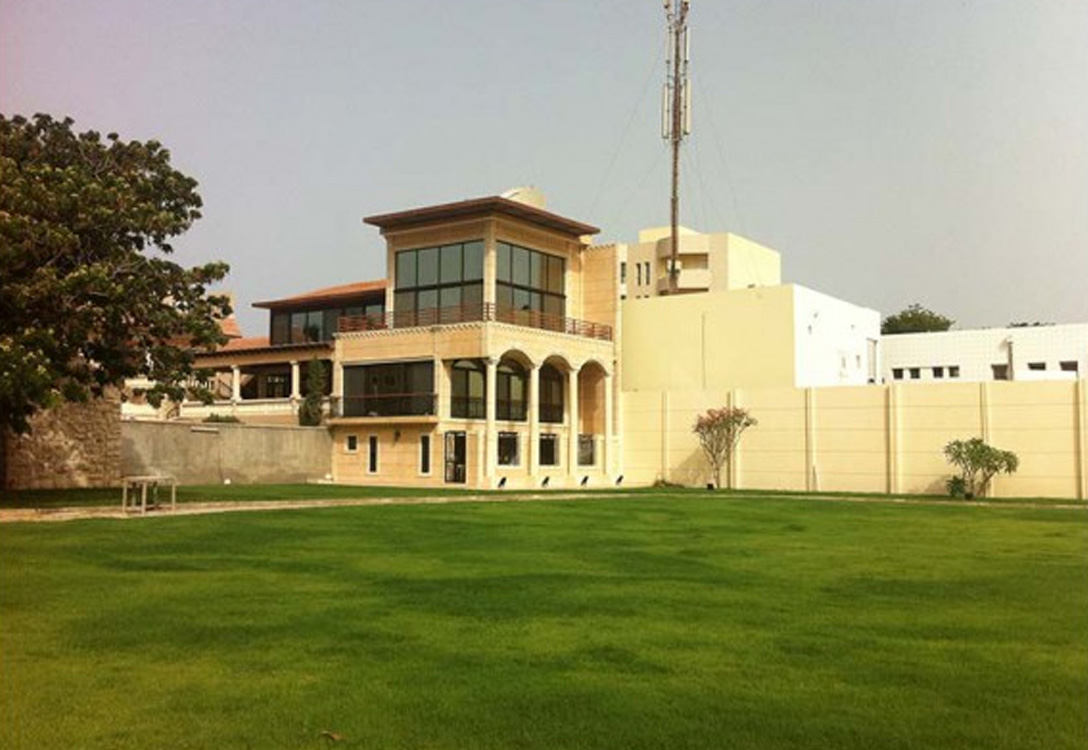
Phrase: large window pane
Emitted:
{"points": [[427, 273], [502, 261], [404, 302], [449, 296], [519, 266], [281, 328], [428, 299], [536, 270], [555, 274], [450, 264], [472, 294], [406, 269], [474, 261], [504, 296]]}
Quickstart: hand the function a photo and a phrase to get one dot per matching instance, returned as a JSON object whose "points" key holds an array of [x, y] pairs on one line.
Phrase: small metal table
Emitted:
{"points": [[143, 483]]}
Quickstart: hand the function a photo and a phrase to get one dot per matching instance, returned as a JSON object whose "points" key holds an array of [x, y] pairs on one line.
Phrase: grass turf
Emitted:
{"points": [[619, 623]]}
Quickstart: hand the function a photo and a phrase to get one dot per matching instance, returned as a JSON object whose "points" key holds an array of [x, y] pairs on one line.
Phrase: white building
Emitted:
{"points": [[1054, 352]]}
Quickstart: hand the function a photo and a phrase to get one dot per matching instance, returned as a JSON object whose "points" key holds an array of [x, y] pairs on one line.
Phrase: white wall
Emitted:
{"points": [[832, 340], [975, 352]]}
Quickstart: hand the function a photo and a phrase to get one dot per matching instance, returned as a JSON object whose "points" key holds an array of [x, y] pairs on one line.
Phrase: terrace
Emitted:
{"points": [[486, 312]]}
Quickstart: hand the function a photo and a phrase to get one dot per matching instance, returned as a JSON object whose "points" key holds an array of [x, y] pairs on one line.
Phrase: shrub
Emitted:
{"points": [[719, 430], [222, 419], [978, 463]]}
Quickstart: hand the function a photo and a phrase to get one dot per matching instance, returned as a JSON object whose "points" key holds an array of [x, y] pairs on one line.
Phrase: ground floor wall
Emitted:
{"points": [[214, 453], [452, 453], [868, 438]]}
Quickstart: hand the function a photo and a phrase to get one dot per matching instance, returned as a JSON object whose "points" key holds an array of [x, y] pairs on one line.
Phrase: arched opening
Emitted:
{"points": [[511, 390], [468, 389]]}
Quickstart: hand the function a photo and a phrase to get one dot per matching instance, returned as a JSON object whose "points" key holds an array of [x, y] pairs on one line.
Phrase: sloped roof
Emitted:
{"points": [[480, 207], [328, 294]]}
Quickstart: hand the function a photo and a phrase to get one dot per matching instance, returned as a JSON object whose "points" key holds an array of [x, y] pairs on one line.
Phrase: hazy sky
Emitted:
{"points": [[892, 150]]}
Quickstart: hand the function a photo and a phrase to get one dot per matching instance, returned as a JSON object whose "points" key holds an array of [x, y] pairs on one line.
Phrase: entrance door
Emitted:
{"points": [[455, 457]]}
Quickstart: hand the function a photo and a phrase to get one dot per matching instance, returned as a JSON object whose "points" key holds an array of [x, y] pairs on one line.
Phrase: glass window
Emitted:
{"points": [[915, 373], [427, 273], [424, 454], [508, 449], [938, 372], [449, 296], [897, 373], [281, 328], [472, 294], [519, 266], [352, 443], [406, 269], [537, 273], [954, 371], [372, 458], [405, 301], [555, 274], [1037, 366], [473, 261], [1070, 365], [427, 299], [502, 261], [468, 389], [549, 453], [550, 402], [451, 264], [1000, 372], [586, 452], [510, 396]]}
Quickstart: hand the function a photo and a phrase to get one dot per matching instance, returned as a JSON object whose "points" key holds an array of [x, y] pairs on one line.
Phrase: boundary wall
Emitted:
{"points": [[212, 453], [876, 438]]}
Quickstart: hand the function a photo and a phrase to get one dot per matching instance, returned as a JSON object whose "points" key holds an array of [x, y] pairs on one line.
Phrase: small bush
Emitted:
{"points": [[222, 419], [978, 463]]}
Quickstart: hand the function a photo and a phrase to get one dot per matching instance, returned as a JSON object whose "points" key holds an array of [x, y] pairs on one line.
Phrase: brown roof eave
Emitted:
{"points": [[479, 207]]}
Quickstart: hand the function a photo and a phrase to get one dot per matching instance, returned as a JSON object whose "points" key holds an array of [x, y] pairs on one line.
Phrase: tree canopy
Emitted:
{"points": [[87, 294], [718, 431], [915, 319]]}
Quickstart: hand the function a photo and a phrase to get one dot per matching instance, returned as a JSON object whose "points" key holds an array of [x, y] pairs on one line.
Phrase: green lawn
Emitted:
{"points": [[643, 622]]}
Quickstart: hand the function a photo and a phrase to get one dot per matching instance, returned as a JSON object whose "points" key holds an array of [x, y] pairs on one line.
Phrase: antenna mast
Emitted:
{"points": [[676, 116]]}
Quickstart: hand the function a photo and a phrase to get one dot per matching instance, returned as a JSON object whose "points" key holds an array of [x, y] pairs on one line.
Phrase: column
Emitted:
{"points": [[491, 436], [606, 460], [533, 453], [295, 387], [235, 383], [572, 415]]}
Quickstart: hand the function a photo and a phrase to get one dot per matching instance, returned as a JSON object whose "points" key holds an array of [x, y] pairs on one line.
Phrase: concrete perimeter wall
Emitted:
{"points": [[869, 438], [212, 453]]}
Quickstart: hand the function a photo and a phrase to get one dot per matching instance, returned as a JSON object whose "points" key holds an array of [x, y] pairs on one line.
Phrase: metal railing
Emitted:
{"points": [[387, 405], [482, 312]]}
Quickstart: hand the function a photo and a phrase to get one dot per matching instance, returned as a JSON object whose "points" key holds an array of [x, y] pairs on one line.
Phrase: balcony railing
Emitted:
{"points": [[387, 405], [482, 312]]}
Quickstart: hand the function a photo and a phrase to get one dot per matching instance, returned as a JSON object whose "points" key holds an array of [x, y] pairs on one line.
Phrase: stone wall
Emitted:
{"points": [[73, 445]]}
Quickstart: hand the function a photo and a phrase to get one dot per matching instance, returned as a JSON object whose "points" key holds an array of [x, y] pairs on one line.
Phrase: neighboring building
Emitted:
{"points": [[708, 263], [785, 335], [1052, 352], [746, 329]]}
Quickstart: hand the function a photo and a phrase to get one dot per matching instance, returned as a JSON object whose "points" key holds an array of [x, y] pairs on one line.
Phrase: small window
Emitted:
{"points": [[1001, 372], [549, 453], [953, 371], [424, 454], [508, 449], [623, 272], [915, 373], [638, 270], [1070, 366], [897, 373], [351, 443], [372, 458], [938, 372], [586, 450], [1037, 366]]}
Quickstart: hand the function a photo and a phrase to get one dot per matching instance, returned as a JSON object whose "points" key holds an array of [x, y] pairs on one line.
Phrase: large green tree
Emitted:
{"points": [[915, 319], [88, 295]]}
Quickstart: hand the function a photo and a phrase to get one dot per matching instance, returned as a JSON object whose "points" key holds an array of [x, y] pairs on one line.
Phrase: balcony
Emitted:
{"points": [[486, 312], [387, 405]]}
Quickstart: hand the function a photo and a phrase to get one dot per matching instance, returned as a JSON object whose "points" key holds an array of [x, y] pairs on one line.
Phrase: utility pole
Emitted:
{"points": [[676, 116]]}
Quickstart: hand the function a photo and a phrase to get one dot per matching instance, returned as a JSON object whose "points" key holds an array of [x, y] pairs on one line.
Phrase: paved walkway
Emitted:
{"points": [[13, 515]]}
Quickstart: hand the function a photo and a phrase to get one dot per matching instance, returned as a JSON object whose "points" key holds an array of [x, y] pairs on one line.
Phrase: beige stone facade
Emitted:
{"points": [[72, 445]]}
